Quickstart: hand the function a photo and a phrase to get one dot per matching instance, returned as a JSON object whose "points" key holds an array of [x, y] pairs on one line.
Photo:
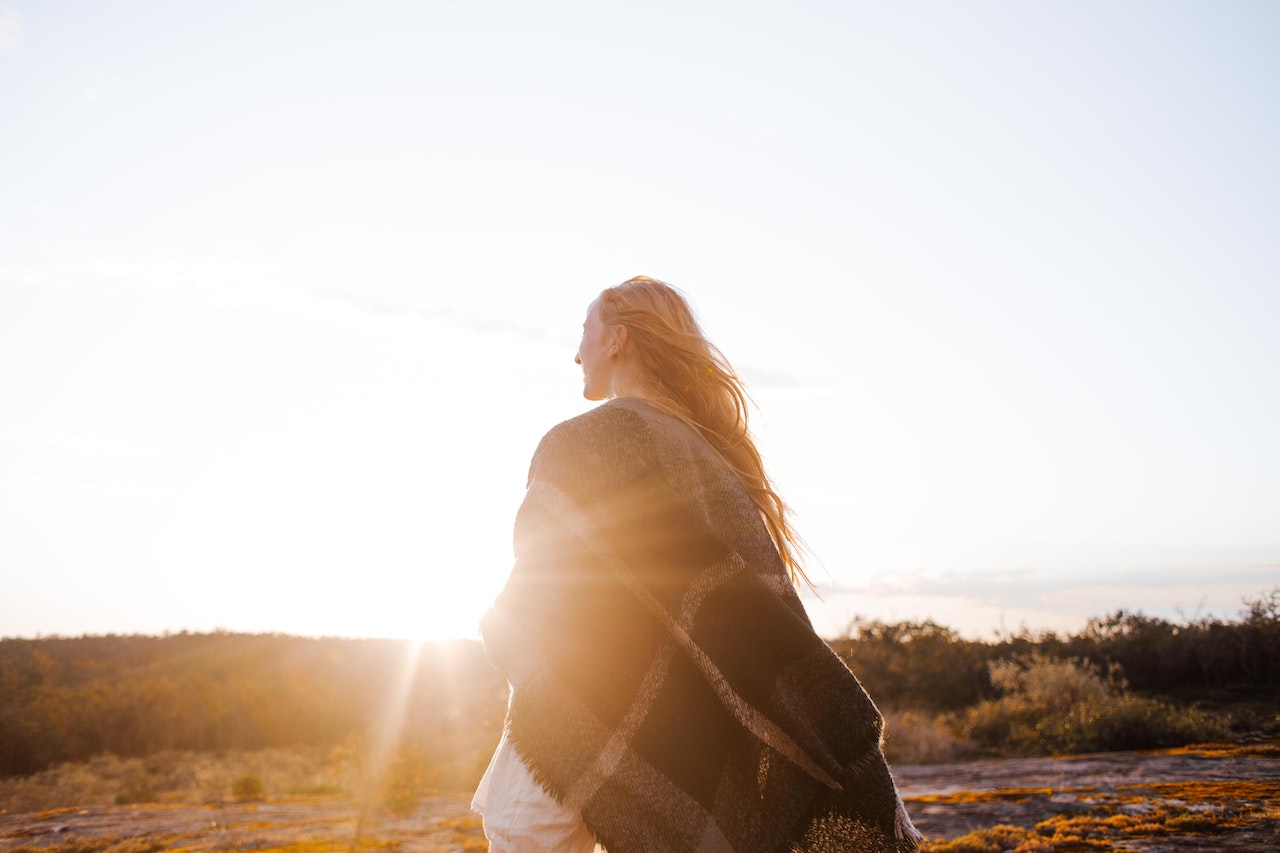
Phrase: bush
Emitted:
{"points": [[1054, 707], [139, 794], [1047, 682], [247, 789], [912, 737]]}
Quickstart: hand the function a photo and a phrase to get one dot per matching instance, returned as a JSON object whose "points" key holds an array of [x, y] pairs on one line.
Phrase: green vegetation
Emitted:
{"points": [[1127, 681], [1060, 706], [925, 666]]}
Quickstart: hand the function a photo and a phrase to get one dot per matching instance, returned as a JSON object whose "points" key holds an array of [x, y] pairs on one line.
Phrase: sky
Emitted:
{"points": [[289, 291]]}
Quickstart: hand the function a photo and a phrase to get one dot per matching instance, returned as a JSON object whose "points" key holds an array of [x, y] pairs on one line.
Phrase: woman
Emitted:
{"points": [[667, 690]]}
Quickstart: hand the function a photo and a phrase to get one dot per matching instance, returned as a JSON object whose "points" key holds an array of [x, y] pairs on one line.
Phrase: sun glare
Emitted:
{"points": [[445, 600], [454, 613]]}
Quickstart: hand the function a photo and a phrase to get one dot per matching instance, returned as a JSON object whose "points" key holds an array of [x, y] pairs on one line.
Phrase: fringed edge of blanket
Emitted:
{"points": [[903, 828]]}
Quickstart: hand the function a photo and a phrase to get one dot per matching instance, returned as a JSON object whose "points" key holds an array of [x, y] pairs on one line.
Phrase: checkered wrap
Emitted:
{"points": [[665, 679]]}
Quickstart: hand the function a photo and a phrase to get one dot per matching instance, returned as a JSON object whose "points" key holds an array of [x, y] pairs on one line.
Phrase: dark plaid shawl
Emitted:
{"points": [[665, 678]]}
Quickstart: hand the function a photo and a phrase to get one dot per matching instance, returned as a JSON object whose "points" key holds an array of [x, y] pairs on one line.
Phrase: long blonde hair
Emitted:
{"points": [[684, 374]]}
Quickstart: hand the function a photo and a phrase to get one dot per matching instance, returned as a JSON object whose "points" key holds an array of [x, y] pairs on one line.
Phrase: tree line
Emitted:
{"points": [[923, 665], [69, 699]]}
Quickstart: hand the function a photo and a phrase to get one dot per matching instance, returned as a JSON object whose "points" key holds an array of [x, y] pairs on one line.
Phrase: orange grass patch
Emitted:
{"points": [[329, 845], [1217, 793], [45, 815], [1105, 824], [1175, 808], [102, 844], [1226, 750], [998, 839], [170, 843]]}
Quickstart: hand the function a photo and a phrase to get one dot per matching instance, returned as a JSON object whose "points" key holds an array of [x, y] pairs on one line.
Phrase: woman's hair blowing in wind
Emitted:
{"points": [[683, 373]]}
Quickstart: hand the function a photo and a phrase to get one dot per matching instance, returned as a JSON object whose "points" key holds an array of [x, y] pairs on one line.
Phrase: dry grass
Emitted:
{"points": [[174, 777], [313, 828], [1223, 750], [116, 844], [467, 833], [394, 785], [103, 844], [914, 737]]}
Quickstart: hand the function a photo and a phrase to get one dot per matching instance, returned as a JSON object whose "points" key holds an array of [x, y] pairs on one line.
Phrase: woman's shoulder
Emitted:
{"points": [[616, 439], [617, 422]]}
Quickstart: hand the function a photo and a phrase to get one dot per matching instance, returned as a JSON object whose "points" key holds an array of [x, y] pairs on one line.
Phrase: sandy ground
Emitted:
{"points": [[1020, 792]]}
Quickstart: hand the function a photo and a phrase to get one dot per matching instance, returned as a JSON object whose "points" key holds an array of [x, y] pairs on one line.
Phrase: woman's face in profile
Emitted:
{"points": [[597, 355]]}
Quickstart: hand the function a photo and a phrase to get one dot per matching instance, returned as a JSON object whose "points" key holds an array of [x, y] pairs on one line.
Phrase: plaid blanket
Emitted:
{"points": [[665, 678]]}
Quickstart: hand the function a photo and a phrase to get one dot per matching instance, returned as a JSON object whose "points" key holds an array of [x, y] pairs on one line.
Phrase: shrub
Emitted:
{"points": [[913, 737], [247, 789], [135, 794], [1047, 682], [1053, 706]]}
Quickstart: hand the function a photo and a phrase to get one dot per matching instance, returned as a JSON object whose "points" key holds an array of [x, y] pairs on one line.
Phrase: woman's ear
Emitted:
{"points": [[619, 339]]}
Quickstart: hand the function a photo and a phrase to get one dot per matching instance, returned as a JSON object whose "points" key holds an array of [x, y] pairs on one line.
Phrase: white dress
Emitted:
{"points": [[520, 817]]}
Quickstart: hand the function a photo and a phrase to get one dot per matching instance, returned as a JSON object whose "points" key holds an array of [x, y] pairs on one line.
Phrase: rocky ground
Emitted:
{"points": [[441, 823], [1196, 799], [1185, 800]]}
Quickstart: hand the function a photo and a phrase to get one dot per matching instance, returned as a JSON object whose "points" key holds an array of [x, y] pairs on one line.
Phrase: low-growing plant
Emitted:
{"points": [[994, 839]]}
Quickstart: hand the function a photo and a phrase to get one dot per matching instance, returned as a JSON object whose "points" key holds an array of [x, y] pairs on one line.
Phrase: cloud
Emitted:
{"points": [[975, 603], [1226, 565], [10, 30], [760, 379], [238, 281], [467, 321], [163, 272]]}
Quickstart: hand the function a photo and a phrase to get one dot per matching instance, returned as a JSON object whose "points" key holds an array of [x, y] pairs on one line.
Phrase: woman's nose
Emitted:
{"points": [[577, 359]]}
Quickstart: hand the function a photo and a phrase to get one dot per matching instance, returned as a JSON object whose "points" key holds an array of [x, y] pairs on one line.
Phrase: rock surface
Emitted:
{"points": [[945, 801], [1023, 792]]}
